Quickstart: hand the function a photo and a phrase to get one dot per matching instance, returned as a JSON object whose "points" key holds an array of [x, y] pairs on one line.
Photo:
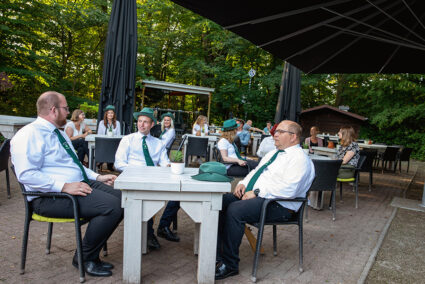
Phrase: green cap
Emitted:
{"points": [[146, 112], [229, 124], [169, 114], [109, 107], [213, 171]]}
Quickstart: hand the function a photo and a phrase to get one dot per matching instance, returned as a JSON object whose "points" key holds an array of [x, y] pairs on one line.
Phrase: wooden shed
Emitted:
{"points": [[329, 119]]}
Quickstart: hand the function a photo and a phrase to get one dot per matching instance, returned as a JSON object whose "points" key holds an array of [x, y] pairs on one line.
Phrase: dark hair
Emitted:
{"points": [[105, 119]]}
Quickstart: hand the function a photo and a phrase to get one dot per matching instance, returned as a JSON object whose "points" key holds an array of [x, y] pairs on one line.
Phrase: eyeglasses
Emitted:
{"points": [[66, 108], [281, 131]]}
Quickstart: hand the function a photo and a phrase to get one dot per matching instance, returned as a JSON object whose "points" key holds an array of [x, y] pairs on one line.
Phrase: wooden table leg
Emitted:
{"points": [[252, 240]]}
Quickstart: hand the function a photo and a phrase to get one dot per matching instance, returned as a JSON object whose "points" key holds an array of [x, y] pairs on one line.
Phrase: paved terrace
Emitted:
{"points": [[334, 252]]}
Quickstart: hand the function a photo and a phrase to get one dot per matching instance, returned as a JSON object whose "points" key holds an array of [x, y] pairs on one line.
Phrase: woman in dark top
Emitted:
{"points": [[313, 140]]}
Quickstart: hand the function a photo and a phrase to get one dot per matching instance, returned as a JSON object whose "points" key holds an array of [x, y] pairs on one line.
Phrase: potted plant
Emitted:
{"points": [[306, 148], [177, 164]]}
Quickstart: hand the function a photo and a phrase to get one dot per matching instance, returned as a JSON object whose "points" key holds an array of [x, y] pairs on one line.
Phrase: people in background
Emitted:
{"points": [[286, 172], [349, 152], [77, 131], [313, 140], [168, 133], [268, 128], [45, 160], [109, 122], [267, 144], [200, 126], [248, 127], [132, 151], [229, 151], [244, 136]]}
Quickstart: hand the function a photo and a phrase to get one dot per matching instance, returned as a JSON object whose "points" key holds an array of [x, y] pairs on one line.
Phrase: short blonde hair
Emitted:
{"points": [[75, 114], [348, 135]]}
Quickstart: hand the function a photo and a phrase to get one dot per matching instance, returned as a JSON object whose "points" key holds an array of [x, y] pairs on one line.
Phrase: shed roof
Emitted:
{"points": [[356, 116]]}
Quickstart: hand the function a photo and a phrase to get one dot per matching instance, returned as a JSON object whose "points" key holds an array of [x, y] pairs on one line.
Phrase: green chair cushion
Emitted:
{"points": [[40, 218], [345, 179]]}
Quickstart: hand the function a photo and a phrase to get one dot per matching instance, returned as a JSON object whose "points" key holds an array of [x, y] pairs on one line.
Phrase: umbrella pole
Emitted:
{"points": [[143, 97], [209, 106]]}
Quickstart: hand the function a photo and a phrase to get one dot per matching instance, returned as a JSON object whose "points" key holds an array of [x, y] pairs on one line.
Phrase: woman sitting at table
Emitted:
{"points": [[313, 140], [267, 144], [168, 133], [200, 126], [229, 151], [109, 122], [349, 152], [77, 131]]}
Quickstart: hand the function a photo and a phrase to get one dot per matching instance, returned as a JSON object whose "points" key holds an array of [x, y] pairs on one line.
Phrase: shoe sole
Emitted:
{"points": [[228, 275]]}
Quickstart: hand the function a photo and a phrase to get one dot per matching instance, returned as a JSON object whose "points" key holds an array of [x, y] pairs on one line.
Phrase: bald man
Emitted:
{"points": [[45, 161], [286, 172]]}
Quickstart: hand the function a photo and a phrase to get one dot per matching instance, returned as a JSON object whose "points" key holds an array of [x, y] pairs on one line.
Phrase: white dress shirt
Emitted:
{"points": [[130, 151], [41, 162], [266, 146], [168, 137], [75, 132], [102, 129], [197, 128], [224, 144], [289, 176]]}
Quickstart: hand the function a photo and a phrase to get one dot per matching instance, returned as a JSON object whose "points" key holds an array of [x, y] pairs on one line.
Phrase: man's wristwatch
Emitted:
{"points": [[256, 191]]}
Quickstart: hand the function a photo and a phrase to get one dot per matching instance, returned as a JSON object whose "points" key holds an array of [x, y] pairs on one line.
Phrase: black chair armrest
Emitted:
{"points": [[268, 201]]}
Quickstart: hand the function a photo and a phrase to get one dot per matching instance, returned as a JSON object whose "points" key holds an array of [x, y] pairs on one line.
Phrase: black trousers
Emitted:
{"points": [[231, 225], [102, 207], [169, 212], [239, 171], [82, 148]]}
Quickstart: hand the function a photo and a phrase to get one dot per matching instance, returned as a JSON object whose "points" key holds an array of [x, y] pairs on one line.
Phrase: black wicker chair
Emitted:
{"points": [[105, 149], [390, 155], [4, 162], [220, 160], [197, 146], [368, 164], [297, 219], [326, 174], [404, 156]]}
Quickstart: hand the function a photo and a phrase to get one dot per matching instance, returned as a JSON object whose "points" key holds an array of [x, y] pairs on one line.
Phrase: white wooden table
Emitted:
{"points": [[378, 147], [324, 151], [256, 137], [91, 139], [145, 191], [211, 142], [318, 157]]}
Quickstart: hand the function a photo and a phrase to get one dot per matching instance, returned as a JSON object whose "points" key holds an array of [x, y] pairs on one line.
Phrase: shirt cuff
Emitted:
{"points": [[57, 186], [92, 175]]}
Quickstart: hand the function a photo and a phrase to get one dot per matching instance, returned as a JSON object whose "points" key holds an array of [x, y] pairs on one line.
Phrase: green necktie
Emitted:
{"points": [[255, 177], [148, 158], [72, 154], [163, 132], [237, 152]]}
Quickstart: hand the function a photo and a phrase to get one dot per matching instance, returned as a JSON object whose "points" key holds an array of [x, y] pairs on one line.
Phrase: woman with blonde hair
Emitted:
{"points": [[109, 122], [77, 131], [349, 152], [230, 153], [200, 126], [168, 133]]}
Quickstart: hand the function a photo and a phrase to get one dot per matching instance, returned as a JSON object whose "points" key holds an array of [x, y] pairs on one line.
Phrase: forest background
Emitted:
{"points": [[59, 45]]}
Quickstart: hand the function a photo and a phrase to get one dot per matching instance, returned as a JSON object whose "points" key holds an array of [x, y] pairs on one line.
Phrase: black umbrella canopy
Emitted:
{"points": [[340, 36], [289, 102], [119, 67]]}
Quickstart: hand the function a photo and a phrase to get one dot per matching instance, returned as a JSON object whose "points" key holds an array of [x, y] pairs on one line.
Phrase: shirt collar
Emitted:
{"points": [[142, 135], [45, 123], [292, 148]]}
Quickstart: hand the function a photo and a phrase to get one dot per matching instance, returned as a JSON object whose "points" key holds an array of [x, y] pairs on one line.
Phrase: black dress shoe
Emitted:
{"points": [[224, 271], [94, 268], [103, 264], [153, 243], [167, 234]]}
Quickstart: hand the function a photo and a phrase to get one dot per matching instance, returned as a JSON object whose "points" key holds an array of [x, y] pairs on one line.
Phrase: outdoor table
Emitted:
{"points": [[333, 138], [324, 151], [256, 137], [318, 157], [145, 191], [10, 124], [211, 142], [91, 139], [378, 147]]}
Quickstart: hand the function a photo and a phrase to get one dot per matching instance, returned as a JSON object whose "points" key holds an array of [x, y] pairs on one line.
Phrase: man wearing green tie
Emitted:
{"points": [[142, 149], [286, 172], [45, 160]]}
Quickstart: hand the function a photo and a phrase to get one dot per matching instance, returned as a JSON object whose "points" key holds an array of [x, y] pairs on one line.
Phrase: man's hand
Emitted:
{"points": [[248, 195], [77, 188], [239, 190], [241, 163], [107, 179]]}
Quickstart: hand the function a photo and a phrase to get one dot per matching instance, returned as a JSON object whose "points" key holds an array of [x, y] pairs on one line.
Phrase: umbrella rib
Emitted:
{"points": [[413, 13], [322, 23], [285, 14], [370, 26], [395, 20], [376, 38], [335, 34]]}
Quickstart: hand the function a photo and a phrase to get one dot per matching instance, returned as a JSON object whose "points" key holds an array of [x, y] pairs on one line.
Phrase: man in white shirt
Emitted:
{"points": [[287, 173], [131, 151], [43, 160]]}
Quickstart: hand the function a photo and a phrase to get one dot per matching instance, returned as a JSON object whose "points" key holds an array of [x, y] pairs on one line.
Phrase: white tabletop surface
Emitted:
{"points": [[92, 137], [324, 149], [210, 137]]}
